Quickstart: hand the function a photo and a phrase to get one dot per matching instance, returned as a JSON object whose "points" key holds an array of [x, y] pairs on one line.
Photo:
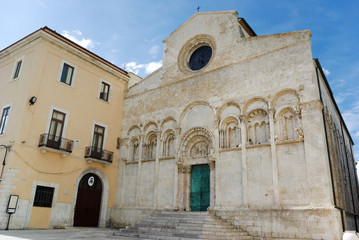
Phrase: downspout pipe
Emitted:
{"points": [[4, 161]]}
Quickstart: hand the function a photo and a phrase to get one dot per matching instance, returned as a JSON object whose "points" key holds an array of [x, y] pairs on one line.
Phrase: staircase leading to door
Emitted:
{"points": [[183, 225]]}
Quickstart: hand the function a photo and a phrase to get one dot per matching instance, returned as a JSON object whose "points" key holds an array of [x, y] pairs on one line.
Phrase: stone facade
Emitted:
{"points": [[260, 113]]}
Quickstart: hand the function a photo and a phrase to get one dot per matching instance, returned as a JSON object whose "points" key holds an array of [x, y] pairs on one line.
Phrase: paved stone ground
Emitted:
{"points": [[62, 234]]}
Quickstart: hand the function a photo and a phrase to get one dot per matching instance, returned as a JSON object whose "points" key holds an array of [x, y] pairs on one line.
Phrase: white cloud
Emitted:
{"points": [[147, 67], [153, 66], [154, 50], [326, 71], [78, 32], [76, 37], [133, 67]]}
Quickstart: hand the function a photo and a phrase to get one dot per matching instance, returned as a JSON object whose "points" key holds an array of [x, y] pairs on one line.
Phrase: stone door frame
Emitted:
{"points": [[104, 198], [184, 166]]}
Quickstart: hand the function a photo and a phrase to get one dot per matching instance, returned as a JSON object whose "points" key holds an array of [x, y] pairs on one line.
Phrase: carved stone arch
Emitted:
{"points": [[149, 124], [134, 148], [283, 92], [230, 132], [168, 142], [284, 108], [225, 105], [166, 132], [149, 145], [165, 120], [132, 128], [287, 124], [190, 106], [223, 122], [252, 101], [189, 136], [257, 126]]}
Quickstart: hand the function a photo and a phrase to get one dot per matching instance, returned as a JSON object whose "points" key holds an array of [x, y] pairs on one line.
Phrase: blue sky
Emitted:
{"points": [[130, 33]]}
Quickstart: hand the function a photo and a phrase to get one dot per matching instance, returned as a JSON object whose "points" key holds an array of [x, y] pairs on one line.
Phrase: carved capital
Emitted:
{"points": [[243, 118], [123, 142], [300, 133], [178, 131], [271, 111], [184, 169]]}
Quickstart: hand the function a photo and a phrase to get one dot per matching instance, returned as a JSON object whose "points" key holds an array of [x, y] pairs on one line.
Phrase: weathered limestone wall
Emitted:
{"points": [[288, 223], [342, 162], [253, 114]]}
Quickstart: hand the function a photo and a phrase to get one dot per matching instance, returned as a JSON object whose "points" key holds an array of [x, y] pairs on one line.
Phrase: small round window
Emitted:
{"points": [[200, 57]]}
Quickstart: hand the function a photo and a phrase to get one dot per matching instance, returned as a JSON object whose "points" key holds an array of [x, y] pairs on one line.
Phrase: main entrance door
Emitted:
{"points": [[200, 187], [88, 201]]}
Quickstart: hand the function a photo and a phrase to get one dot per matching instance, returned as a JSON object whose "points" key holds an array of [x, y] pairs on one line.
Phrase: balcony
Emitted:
{"points": [[50, 143], [93, 154]]}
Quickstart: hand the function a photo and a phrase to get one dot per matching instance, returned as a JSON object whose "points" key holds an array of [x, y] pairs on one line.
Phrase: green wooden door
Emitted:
{"points": [[200, 187]]}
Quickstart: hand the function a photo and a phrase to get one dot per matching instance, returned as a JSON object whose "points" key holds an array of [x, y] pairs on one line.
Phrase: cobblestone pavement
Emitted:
{"points": [[62, 234]]}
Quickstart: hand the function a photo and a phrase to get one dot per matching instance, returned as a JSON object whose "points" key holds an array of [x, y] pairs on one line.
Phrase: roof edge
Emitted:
{"points": [[65, 40], [246, 26], [194, 15], [316, 60]]}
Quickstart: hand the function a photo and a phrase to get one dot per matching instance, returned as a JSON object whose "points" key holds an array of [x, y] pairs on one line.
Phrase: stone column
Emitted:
{"points": [[157, 168], [138, 183], [212, 167], [244, 161], [275, 174], [187, 186], [176, 179], [180, 195], [124, 144]]}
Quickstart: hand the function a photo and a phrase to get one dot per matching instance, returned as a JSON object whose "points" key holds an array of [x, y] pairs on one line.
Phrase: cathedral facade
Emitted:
{"points": [[243, 126]]}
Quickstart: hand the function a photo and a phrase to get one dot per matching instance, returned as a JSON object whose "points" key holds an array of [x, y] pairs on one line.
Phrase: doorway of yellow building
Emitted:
{"points": [[88, 201]]}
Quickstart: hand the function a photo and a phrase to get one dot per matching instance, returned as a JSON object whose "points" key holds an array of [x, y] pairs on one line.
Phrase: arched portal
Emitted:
{"points": [[196, 171], [88, 201]]}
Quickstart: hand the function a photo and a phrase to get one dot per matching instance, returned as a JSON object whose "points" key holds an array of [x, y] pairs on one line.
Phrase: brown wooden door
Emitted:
{"points": [[88, 202]]}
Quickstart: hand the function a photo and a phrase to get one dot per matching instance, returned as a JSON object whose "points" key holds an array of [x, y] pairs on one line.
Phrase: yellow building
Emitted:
{"points": [[58, 141]]}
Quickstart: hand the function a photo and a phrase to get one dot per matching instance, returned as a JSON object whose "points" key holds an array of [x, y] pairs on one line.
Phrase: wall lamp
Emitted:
{"points": [[33, 100]]}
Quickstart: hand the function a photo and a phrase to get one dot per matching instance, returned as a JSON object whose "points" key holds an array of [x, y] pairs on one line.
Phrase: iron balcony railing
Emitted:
{"points": [[54, 142], [98, 154]]}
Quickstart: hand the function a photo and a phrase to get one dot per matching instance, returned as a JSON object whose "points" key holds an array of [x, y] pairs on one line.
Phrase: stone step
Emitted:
{"points": [[225, 232], [179, 220], [183, 225]]}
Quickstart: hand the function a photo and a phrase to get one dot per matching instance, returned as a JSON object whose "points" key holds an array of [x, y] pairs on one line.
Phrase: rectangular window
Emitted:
{"points": [[55, 129], [4, 119], [105, 91], [98, 137], [17, 70], [43, 196], [67, 73]]}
